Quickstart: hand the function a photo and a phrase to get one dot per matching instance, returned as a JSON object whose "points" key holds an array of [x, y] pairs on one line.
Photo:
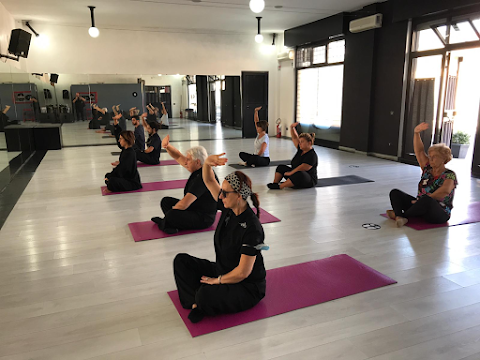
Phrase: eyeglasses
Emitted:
{"points": [[224, 193]]}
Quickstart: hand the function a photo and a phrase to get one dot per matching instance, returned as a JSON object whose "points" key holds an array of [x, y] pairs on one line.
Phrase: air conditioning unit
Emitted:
{"points": [[366, 23], [287, 55]]}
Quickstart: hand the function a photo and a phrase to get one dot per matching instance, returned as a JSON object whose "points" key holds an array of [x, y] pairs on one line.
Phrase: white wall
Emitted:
{"points": [[7, 24], [286, 95], [72, 51]]}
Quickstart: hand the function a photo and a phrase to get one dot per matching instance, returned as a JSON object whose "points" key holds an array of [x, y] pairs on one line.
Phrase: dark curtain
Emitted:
{"points": [[422, 109]]}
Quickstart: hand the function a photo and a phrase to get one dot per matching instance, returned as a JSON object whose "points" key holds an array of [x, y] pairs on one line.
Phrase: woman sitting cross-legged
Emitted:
{"points": [[124, 177], [197, 209], [436, 189], [303, 172], [261, 154], [151, 155], [236, 280]]}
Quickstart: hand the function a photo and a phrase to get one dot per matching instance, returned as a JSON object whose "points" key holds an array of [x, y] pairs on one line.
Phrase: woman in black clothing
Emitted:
{"points": [[151, 155], [197, 208], [303, 170], [125, 176], [236, 280]]}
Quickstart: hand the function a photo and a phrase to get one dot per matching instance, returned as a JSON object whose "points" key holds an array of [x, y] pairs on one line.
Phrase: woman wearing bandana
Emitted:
{"points": [[236, 280]]}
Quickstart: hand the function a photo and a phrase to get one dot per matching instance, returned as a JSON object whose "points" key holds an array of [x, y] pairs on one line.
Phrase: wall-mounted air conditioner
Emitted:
{"points": [[287, 55], [366, 23]]}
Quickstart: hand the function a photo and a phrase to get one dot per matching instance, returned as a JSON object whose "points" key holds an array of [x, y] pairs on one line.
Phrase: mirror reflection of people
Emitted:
{"points": [[125, 176], [100, 116], [197, 209], [151, 155], [261, 155], [164, 119], [35, 107], [236, 280], [79, 106], [436, 189], [5, 120], [303, 170]]}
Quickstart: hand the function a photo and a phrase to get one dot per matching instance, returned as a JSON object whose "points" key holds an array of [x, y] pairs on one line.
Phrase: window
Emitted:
{"points": [[304, 57], [319, 55], [319, 100], [462, 32], [336, 51], [428, 40]]}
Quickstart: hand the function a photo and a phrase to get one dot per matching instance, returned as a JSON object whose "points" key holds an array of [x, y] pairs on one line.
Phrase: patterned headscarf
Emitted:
{"points": [[234, 182]]}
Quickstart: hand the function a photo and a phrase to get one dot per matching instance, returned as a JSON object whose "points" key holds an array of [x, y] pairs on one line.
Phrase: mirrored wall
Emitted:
{"points": [[197, 106]]}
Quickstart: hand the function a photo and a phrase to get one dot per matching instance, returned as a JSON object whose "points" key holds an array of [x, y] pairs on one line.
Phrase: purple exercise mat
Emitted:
{"points": [[294, 287], [148, 230], [154, 186], [461, 215], [162, 163]]}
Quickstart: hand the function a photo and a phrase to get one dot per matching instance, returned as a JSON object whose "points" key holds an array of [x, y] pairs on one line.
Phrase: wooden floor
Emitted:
{"points": [[74, 285]]}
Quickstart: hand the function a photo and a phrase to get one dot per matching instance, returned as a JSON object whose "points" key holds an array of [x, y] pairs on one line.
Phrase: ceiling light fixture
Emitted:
{"points": [[93, 31], [257, 6], [40, 39], [259, 36]]}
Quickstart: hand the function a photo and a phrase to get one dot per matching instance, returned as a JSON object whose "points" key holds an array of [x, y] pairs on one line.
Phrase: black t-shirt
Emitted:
{"points": [[237, 235], [310, 158], [151, 117], [204, 203], [155, 141], [79, 104], [127, 168]]}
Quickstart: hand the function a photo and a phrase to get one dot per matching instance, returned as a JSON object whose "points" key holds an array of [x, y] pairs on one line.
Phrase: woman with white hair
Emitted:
{"points": [[197, 208], [434, 201]]}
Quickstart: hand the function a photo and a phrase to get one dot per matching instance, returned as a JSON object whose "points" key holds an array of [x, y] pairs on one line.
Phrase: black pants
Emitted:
{"points": [[116, 184], [212, 299], [254, 159], [184, 219], [301, 179], [80, 114], [426, 207], [146, 158]]}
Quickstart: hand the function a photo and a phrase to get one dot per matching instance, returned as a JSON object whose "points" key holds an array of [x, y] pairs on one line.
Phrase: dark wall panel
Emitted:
{"points": [[390, 43], [407, 9], [357, 90], [316, 31], [202, 98]]}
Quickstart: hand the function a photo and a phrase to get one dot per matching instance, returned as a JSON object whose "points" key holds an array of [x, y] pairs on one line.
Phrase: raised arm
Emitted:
{"points": [[209, 176], [418, 146], [173, 152], [294, 134], [255, 116], [114, 109], [164, 111], [7, 107]]}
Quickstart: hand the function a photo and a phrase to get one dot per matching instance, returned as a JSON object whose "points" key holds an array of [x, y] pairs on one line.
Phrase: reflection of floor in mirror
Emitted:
{"points": [[76, 134], [5, 157], [3, 143]]}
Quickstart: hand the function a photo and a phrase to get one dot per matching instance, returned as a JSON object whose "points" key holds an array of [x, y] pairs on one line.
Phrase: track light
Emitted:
{"points": [[93, 31], [257, 6], [259, 36]]}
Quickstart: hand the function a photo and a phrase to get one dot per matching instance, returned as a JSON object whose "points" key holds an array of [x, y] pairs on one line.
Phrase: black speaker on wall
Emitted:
{"points": [[66, 95], [54, 78], [19, 42]]}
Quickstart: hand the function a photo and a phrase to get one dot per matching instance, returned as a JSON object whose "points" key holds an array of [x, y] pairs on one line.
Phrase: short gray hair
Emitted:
{"points": [[198, 153]]}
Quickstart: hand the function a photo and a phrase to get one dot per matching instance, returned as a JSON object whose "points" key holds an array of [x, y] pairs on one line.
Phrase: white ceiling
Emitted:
{"points": [[229, 16]]}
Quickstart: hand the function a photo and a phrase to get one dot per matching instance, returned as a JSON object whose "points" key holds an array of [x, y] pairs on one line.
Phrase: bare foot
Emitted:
{"points": [[391, 214], [106, 191], [401, 221]]}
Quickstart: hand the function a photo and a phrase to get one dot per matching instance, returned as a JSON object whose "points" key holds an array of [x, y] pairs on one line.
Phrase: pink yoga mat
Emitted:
{"points": [[154, 186], [461, 215], [294, 287], [148, 230], [162, 163]]}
